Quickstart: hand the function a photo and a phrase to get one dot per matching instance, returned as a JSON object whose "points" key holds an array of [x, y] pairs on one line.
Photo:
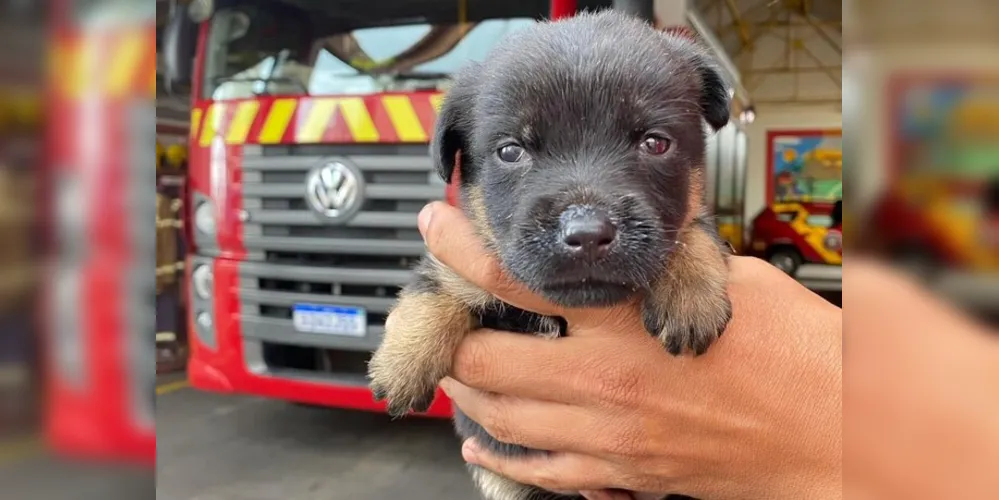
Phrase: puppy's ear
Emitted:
{"points": [[454, 124], [714, 99]]}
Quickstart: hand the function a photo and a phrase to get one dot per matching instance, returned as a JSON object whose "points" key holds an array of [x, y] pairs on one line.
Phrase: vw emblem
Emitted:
{"points": [[334, 190]]}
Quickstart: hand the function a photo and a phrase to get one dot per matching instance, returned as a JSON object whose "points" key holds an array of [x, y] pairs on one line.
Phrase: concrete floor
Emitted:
{"points": [[214, 447]]}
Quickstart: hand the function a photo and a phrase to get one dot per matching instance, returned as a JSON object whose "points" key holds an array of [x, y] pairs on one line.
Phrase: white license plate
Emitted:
{"points": [[330, 320]]}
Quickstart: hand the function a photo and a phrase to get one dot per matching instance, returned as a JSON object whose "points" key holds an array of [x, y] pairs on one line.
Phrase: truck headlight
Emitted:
{"points": [[204, 320], [204, 218], [203, 281]]}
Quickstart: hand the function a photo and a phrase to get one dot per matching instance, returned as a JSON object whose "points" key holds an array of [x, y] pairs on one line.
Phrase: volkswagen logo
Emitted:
{"points": [[333, 191]]}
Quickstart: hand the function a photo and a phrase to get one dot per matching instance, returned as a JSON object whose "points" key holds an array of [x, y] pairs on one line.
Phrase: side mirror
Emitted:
{"points": [[180, 41]]}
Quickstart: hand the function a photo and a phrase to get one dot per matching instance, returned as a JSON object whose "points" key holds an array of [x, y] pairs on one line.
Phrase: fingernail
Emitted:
{"points": [[423, 220], [469, 451]]}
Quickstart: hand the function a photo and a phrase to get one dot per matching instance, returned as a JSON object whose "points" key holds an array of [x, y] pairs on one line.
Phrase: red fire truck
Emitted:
{"points": [[308, 164], [97, 316]]}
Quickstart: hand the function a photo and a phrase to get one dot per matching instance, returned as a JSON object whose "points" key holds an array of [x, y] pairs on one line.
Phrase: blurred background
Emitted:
{"points": [[214, 330], [921, 389], [922, 109]]}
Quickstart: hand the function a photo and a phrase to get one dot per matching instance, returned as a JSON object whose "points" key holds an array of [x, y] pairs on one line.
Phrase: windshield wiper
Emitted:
{"points": [[419, 75]]}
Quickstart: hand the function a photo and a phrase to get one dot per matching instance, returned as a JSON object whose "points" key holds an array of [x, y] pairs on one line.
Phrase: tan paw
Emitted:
{"points": [[406, 385], [691, 324]]}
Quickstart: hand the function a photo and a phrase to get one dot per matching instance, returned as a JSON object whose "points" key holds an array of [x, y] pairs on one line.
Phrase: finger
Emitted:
{"points": [[550, 471], [549, 370], [453, 240], [606, 495], [541, 425]]}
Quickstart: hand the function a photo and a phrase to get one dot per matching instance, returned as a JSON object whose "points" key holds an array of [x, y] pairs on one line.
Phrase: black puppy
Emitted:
{"points": [[581, 146]]}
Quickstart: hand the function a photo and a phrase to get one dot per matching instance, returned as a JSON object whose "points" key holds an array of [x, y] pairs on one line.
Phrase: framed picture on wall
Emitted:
{"points": [[804, 165], [944, 125]]}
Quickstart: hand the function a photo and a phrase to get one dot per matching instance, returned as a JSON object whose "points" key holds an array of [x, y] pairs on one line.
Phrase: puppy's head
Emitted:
{"points": [[581, 147]]}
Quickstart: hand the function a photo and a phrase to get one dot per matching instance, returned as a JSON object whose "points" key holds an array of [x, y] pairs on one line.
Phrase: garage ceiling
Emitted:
{"points": [[789, 52]]}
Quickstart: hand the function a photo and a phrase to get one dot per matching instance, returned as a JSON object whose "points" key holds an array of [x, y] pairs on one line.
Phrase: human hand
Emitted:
{"points": [[758, 416]]}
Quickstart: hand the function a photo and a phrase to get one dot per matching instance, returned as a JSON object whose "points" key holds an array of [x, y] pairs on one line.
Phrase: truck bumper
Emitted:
{"points": [[225, 360]]}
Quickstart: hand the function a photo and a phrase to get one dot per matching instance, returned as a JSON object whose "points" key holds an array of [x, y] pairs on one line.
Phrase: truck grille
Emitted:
{"points": [[294, 257]]}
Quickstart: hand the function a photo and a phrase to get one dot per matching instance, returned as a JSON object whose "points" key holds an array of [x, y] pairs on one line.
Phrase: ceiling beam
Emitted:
{"points": [[733, 11], [833, 76], [785, 20], [822, 33]]}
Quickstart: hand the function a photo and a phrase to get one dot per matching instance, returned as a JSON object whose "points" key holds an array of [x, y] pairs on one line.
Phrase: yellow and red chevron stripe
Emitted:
{"points": [[380, 118], [119, 63]]}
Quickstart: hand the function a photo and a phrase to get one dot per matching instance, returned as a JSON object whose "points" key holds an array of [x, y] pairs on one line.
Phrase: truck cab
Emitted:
{"points": [[308, 163]]}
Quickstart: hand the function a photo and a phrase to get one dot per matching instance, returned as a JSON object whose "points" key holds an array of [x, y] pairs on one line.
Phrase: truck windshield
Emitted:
{"points": [[251, 53]]}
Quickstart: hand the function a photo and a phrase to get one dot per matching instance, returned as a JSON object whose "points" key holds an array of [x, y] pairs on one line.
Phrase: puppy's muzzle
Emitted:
{"points": [[587, 232]]}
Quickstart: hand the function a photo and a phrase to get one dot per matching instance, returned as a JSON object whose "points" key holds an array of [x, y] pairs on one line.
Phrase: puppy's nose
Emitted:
{"points": [[587, 231]]}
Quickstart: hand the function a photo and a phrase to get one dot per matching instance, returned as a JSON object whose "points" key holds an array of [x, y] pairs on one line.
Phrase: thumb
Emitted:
{"points": [[455, 242], [426, 216]]}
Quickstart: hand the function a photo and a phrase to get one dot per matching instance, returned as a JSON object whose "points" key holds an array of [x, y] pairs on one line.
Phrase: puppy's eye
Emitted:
{"points": [[655, 145], [511, 153]]}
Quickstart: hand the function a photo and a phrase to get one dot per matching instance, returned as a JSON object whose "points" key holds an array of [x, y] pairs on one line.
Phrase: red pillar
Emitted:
{"points": [[562, 8]]}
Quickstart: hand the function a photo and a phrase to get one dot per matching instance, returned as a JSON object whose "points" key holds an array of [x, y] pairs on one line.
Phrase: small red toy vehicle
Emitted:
{"points": [[791, 234]]}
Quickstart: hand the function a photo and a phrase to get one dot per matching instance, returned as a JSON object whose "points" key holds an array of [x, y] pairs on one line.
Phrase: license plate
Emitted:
{"points": [[330, 320]]}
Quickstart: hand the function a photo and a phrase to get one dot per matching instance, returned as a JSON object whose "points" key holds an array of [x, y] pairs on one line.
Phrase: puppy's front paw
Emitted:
{"points": [[688, 323], [407, 387], [421, 335], [688, 309]]}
